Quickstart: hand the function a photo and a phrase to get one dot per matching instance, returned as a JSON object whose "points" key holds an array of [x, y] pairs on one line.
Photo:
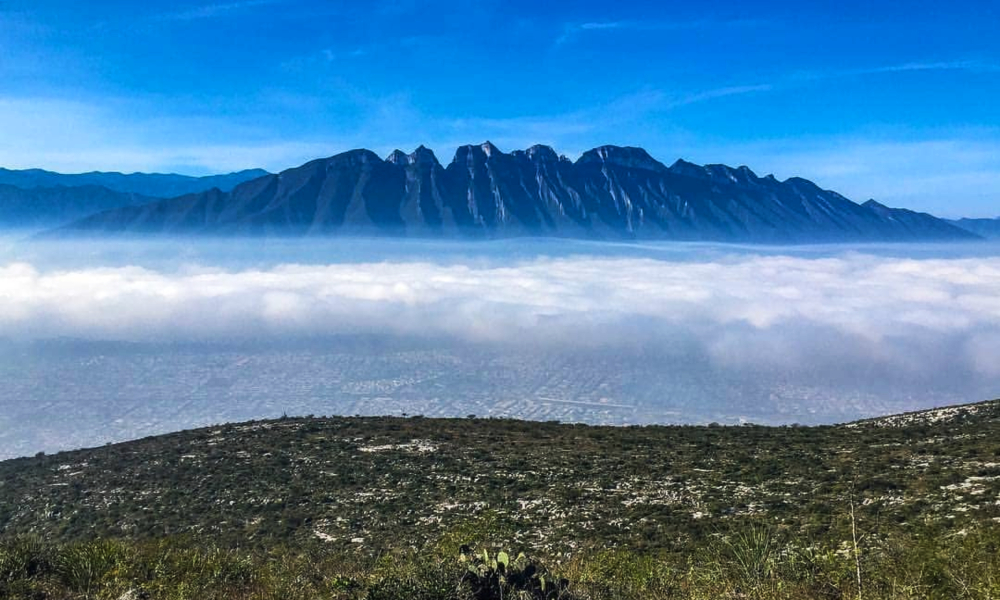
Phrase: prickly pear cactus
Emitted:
{"points": [[498, 577]]}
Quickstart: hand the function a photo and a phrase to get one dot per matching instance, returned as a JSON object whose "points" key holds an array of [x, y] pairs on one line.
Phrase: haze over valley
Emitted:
{"points": [[126, 338]]}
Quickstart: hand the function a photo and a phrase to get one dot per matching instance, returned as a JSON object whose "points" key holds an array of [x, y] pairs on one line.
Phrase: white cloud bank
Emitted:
{"points": [[845, 313]]}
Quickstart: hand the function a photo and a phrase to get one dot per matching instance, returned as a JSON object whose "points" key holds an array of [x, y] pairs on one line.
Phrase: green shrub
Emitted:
{"points": [[22, 559], [87, 567]]}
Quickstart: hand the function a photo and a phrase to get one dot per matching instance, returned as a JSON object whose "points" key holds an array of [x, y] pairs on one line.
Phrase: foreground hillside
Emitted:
{"points": [[900, 507], [372, 482], [610, 192]]}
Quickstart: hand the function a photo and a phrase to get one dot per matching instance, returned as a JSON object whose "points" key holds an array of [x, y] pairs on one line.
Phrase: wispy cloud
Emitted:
{"points": [[957, 65], [797, 79], [970, 66], [571, 30], [574, 29], [606, 25], [209, 11], [721, 92], [331, 55]]}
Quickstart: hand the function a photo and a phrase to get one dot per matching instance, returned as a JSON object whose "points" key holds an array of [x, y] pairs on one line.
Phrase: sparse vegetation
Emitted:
{"points": [[746, 565], [903, 507]]}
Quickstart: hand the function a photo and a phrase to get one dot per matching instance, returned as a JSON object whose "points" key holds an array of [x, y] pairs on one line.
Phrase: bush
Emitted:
{"points": [[90, 566], [750, 561]]}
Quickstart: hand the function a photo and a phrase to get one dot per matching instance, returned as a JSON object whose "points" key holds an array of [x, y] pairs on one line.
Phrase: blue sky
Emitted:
{"points": [[894, 100]]}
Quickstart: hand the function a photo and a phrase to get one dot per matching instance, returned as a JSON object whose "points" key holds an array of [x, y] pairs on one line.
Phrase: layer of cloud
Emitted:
{"points": [[833, 315]]}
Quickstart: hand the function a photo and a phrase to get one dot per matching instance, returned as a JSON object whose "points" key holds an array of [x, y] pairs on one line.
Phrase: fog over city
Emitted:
{"points": [[581, 331]]}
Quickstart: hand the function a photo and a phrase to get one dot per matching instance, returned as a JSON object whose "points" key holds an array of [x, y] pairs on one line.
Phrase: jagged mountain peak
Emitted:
{"points": [[625, 156], [398, 157], [540, 152], [475, 152], [688, 169], [423, 155], [610, 191], [724, 173], [489, 149], [420, 156]]}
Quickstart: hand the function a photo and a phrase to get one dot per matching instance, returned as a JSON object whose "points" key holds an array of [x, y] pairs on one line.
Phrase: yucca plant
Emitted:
{"points": [[22, 559], [86, 567], [747, 559]]}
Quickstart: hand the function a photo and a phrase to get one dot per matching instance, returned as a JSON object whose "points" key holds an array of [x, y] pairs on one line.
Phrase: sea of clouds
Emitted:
{"points": [[112, 340], [834, 313]]}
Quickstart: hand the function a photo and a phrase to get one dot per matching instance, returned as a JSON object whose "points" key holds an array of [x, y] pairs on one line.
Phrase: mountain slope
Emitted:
{"points": [[49, 207], [158, 185], [610, 192], [917, 223], [987, 228]]}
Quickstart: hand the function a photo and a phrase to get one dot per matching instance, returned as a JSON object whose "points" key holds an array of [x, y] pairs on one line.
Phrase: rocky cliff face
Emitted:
{"points": [[610, 192]]}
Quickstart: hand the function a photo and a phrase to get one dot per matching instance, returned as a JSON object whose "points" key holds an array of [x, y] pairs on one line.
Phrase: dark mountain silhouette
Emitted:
{"points": [[987, 228], [609, 192], [49, 207], [156, 185]]}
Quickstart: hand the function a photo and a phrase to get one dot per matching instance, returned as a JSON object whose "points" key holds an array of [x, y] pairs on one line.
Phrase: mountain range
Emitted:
{"points": [[53, 206], [156, 185], [610, 192], [987, 228]]}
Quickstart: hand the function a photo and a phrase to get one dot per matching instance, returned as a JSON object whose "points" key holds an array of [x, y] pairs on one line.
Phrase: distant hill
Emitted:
{"points": [[987, 228], [611, 192], [391, 481], [53, 206], [156, 185]]}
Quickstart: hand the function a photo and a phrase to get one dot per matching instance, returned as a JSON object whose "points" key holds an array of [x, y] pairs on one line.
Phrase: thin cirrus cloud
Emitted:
{"points": [[209, 11], [957, 65], [916, 66], [904, 317], [570, 31]]}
